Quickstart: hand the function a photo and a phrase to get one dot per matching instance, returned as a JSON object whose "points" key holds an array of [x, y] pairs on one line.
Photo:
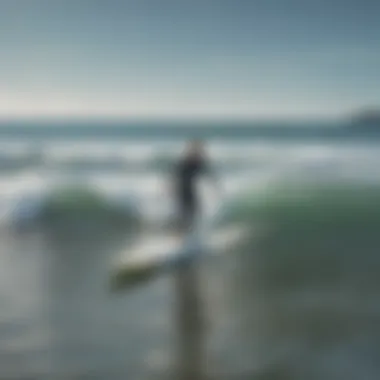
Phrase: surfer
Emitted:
{"points": [[187, 172]]}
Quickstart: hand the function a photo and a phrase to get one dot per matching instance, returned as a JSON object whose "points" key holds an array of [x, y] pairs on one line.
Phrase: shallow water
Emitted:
{"points": [[57, 316], [57, 319]]}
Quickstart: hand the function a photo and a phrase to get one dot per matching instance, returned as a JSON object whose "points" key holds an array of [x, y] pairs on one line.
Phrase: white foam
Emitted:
{"points": [[252, 163]]}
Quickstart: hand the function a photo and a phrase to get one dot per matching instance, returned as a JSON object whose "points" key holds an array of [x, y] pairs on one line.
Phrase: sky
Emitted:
{"points": [[188, 58]]}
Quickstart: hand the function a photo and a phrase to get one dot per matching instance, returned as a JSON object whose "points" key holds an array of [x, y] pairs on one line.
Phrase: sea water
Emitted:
{"points": [[56, 316]]}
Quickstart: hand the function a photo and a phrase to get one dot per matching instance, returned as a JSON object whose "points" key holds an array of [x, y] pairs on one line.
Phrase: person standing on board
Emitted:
{"points": [[190, 314], [187, 172]]}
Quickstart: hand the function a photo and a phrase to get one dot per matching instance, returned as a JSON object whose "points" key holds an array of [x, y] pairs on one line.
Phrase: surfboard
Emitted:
{"points": [[156, 254]]}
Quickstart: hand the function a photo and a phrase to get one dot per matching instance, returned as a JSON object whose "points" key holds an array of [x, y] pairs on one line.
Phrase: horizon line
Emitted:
{"points": [[171, 119]]}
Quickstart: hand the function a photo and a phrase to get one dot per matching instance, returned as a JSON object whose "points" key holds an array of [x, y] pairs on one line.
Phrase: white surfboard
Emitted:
{"points": [[159, 253]]}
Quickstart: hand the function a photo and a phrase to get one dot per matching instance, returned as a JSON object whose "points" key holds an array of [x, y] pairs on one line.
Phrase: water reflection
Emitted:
{"points": [[58, 318]]}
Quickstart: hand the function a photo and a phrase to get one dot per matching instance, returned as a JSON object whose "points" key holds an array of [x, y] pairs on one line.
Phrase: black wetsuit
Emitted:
{"points": [[186, 174]]}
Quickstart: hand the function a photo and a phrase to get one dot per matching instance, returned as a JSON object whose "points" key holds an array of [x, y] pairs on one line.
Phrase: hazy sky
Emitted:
{"points": [[259, 58]]}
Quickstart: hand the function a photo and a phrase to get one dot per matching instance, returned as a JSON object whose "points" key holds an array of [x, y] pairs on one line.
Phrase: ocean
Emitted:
{"points": [[56, 318]]}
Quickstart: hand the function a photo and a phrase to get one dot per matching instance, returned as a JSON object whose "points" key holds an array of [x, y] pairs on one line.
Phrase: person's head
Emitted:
{"points": [[195, 148]]}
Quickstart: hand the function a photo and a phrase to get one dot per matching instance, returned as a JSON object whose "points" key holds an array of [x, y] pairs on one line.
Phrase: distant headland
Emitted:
{"points": [[366, 119]]}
